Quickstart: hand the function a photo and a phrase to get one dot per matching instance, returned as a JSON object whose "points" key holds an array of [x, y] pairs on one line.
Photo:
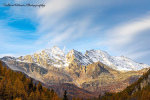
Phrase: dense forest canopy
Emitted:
{"points": [[16, 86]]}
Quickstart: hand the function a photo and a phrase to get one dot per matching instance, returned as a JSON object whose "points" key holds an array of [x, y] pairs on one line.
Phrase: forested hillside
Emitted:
{"points": [[16, 86], [139, 90]]}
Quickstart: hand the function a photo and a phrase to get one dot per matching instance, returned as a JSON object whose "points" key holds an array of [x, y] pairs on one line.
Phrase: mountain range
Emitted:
{"points": [[57, 58], [95, 71]]}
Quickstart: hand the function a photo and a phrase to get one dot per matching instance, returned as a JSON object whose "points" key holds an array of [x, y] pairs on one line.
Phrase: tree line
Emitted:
{"points": [[16, 86]]}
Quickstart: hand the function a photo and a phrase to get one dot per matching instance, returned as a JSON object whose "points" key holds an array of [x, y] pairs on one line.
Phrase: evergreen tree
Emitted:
{"points": [[39, 86], [47, 93], [34, 87], [9, 91], [26, 85], [1, 68], [31, 96], [65, 95], [16, 88], [8, 74], [99, 96], [4, 71], [2, 88], [52, 93], [42, 97], [37, 96], [31, 84]]}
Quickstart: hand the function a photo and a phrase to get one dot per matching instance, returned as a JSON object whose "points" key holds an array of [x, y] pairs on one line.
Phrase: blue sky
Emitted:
{"points": [[119, 27]]}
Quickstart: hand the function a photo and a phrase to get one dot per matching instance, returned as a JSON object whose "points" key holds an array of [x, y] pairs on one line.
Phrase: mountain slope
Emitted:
{"points": [[16, 86], [48, 57], [119, 63], [73, 91], [95, 70], [139, 90]]}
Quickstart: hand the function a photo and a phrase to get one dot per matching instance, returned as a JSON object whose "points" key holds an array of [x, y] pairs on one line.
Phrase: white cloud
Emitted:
{"points": [[148, 12], [127, 39], [12, 55], [139, 55], [64, 49], [68, 32], [123, 34], [58, 25]]}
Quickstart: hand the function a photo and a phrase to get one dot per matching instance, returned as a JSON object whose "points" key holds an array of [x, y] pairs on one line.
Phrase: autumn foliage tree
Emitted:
{"points": [[16, 86], [128, 94]]}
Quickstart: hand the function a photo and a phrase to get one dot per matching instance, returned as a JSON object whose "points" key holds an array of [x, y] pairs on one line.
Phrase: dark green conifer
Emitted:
{"points": [[65, 95]]}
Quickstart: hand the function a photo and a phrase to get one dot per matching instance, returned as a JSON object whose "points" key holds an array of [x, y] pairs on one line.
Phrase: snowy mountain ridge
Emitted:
{"points": [[57, 58]]}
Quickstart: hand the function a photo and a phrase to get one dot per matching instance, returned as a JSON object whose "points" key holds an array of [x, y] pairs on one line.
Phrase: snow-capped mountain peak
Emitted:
{"points": [[78, 57], [56, 50], [57, 58], [119, 63], [48, 57]]}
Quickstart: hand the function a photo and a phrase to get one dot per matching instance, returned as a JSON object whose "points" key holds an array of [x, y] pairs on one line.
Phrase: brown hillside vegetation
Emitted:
{"points": [[98, 77], [16, 86], [73, 91], [139, 90]]}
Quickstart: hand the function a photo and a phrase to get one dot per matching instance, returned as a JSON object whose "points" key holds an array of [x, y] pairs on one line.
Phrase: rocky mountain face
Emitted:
{"points": [[95, 70], [47, 58], [143, 82], [101, 78], [119, 63], [56, 58]]}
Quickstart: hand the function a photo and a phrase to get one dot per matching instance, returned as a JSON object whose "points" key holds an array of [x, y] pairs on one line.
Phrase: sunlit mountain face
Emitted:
{"points": [[95, 71]]}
